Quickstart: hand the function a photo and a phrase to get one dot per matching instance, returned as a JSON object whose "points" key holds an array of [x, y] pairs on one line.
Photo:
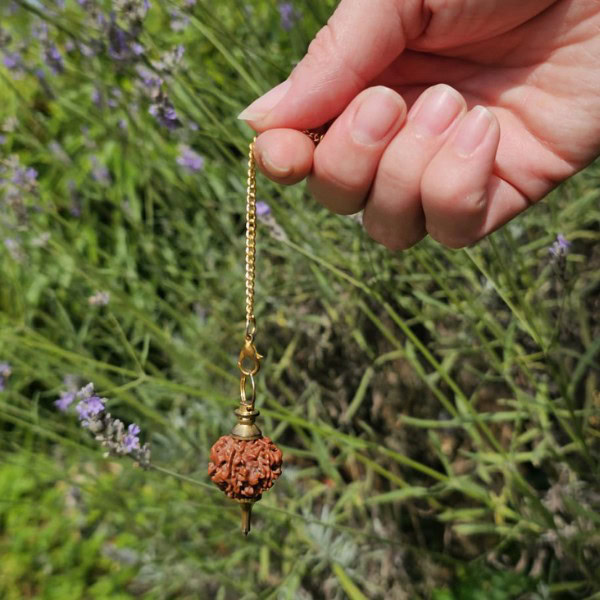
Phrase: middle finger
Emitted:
{"points": [[345, 162]]}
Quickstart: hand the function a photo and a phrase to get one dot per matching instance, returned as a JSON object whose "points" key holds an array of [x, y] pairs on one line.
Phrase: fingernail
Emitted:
{"points": [[274, 167], [472, 130], [376, 115], [262, 107], [437, 110]]}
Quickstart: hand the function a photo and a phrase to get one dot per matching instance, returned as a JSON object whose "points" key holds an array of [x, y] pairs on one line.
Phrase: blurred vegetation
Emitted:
{"points": [[438, 410]]}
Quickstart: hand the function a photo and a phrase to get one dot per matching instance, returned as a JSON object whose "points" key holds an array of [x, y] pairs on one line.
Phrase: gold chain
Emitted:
{"points": [[314, 136], [249, 360], [250, 243]]}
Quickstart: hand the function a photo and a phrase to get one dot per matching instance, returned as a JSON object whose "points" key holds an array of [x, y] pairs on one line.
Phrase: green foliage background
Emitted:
{"points": [[438, 410]]}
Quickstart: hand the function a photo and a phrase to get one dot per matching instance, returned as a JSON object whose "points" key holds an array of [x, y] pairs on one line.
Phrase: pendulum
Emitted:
{"points": [[244, 464]]}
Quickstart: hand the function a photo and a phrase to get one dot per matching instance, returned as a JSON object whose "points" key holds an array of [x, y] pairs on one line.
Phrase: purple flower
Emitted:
{"points": [[12, 61], [189, 159], [89, 408], [5, 373], [288, 15], [39, 31], [149, 79], [89, 404], [560, 247], [54, 59], [96, 97], [14, 249], [68, 396], [65, 400], [130, 440], [99, 172], [118, 48], [262, 209], [165, 114], [24, 177]]}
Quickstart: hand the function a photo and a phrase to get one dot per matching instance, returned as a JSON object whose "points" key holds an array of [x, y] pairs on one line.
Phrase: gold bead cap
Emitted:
{"points": [[246, 428]]}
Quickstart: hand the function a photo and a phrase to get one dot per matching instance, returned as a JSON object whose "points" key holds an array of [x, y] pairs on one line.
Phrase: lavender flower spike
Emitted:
{"points": [[65, 400], [54, 59], [131, 441], [560, 247], [110, 432], [90, 405], [189, 159], [165, 114], [262, 209], [288, 14], [90, 408]]}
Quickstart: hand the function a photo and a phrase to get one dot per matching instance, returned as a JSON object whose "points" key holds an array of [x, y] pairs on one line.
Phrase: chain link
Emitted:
{"points": [[250, 243], [249, 360], [314, 136]]}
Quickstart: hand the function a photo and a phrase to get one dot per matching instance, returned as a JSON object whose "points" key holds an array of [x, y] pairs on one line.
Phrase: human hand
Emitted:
{"points": [[504, 104]]}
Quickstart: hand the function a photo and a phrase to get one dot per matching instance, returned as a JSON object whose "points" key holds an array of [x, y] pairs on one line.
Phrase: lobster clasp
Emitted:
{"points": [[249, 360]]}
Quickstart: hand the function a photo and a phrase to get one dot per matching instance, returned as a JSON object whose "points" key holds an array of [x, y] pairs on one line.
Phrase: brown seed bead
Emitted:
{"points": [[244, 469]]}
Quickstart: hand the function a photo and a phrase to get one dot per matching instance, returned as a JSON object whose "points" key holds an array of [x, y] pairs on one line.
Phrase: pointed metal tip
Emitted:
{"points": [[246, 517]]}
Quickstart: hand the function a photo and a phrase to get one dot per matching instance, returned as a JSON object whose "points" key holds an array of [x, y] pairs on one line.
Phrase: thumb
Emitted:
{"points": [[359, 41]]}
